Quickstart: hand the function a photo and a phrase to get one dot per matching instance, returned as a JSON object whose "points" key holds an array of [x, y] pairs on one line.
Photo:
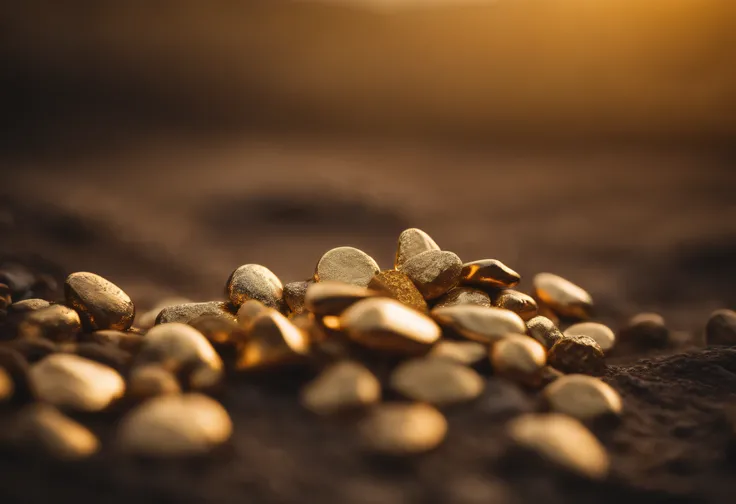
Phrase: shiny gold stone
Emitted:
{"points": [[100, 303], [273, 341], [174, 426], [185, 313], [436, 381], [70, 381], [490, 273], [577, 354], [469, 353], [128, 341], [646, 330], [28, 305], [253, 281], [464, 296], [563, 296], [294, 293], [348, 265], [43, 427], [180, 347], [582, 397], [412, 242], [403, 429], [147, 319], [343, 386], [721, 328], [543, 330], [56, 323], [561, 440], [332, 298], [601, 333], [517, 302], [7, 387], [220, 332], [478, 323], [519, 358], [397, 285], [385, 324], [248, 312], [434, 272], [151, 380]]}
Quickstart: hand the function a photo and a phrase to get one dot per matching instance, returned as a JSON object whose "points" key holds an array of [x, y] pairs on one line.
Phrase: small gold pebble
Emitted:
{"points": [[28, 305], [220, 332], [147, 319], [577, 354], [185, 313], [412, 242], [7, 386], [332, 298], [464, 296], [45, 428], [403, 429], [342, 386], [469, 353], [601, 333], [253, 281], [248, 312], [490, 273], [434, 272], [70, 381], [543, 330], [582, 397], [436, 381], [478, 323], [519, 358], [294, 293], [174, 426], [150, 380], [563, 296], [100, 303], [561, 440], [273, 341], [517, 302], [721, 328], [385, 324], [56, 323], [346, 264], [397, 285], [645, 330], [179, 347]]}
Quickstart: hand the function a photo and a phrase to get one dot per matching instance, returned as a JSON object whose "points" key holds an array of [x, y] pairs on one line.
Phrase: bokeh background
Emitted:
{"points": [[162, 144]]}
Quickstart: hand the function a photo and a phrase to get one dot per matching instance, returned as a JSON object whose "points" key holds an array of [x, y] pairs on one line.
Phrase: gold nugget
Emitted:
{"points": [[151, 380], [519, 358], [403, 429], [478, 323], [602, 334], [343, 386], [582, 397], [45, 428], [469, 353], [517, 302], [100, 303], [490, 273], [273, 341], [185, 313], [397, 285], [412, 242], [248, 312], [28, 305], [332, 298], [348, 265], [385, 324], [434, 272], [253, 281], [56, 323], [464, 296], [563, 296], [646, 330], [543, 330], [436, 381], [577, 354], [721, 328], [147, 319], [294, 293]]}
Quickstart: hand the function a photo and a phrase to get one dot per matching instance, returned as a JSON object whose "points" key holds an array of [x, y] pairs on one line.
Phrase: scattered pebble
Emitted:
{"points": [[224, 334], [518, 358], [403, 429], [489, 273], [56, 323], [348, 265], [43, 428], [517, 302], [253, 281], [464, 296], [582, 397], [478, 323], [185, 313], [436, 381], [151, 380], [469, 353], [563, 296], [397, 285], [332, 298], [543, 330], [412, 242], [721, 328], [273, 341], [342, 386], [434, 272], [645, 330], [602, 334], [100, 303], [577, 354], [147, 319]]}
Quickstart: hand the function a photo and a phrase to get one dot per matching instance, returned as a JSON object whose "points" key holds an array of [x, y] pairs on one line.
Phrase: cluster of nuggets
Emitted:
{"points": [[425, 332]]}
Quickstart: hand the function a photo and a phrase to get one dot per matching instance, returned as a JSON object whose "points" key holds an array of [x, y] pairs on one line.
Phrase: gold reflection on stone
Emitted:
{"points": [[150, 380], [489, 272], [602, 334], [478, 323], [519, 358], [433, 272], [403, 429], [7, 386], [294, 293], [185, 313], [45, 428], [468, 353], [436, 381], [464, 296], [57, 323], [582, 397], [397, 285], [517, 302], [332, 298], [577, 354], [343, 386], [346, 264], [563, 296], [543, 330], [100, 303], [413, 242], [253, 281], [273, 341]]}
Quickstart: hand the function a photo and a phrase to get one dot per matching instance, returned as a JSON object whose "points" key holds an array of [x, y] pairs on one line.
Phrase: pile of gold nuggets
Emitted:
{"points": [[435, 324]]}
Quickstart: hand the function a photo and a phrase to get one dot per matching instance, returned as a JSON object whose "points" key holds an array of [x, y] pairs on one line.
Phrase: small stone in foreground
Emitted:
{"points": [[645, 330], [518, 358], [253, 281], [582, 397], [346, 264], [490, 273], [721, 328], [403, 429], [563, 296], [412, 242], [100, 303], [174, 426], [601, 333], [343, 386], [434, 272], [248, 312], [42, 427], [56, 323], [436, 381], [544, 331], [479, 323], [517, 302], [464, 296], [397, 285], [577, 354]]}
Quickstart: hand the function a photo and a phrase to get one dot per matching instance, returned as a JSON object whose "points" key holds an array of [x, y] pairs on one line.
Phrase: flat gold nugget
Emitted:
{"points": [[403, 429], [582, 397], [273, 341], [464, 296], [397, 285], [436, 381], [294, 293], [478, 323], [434, 272], [348, 265], [490, 273], [517, 302], [100, 303], [563, 296], [253, 281], [412, 242], [185, 313], [56, 323]]}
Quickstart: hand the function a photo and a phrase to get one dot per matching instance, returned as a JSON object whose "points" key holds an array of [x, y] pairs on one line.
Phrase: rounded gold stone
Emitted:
{"points": [[343, 386], [130, 342], [413, 242], [348, 265], [332, 298], [294, 293], [582, 397], [100, 303], [248, 312], [397, 285], [45, 428], [56, 323], [403, 429], [151, 380], [385, 324], [646, 330], [601, 333], [70, 381], [185, 313], [563, 296], [434, 272], [28, 305], [219, 331], [273, 341], [517, 302], [436, 381], [180, 347], [721, 328], [577, 354], [253, 281], [174, 426], [468, 353], [519, 358], [489, 272], [478, 323], [543, 330], [561, 440], [147, 319], [464, 296]]}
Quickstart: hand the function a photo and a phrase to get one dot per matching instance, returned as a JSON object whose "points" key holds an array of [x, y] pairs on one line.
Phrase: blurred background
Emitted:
{"points": [[162, 144]]}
